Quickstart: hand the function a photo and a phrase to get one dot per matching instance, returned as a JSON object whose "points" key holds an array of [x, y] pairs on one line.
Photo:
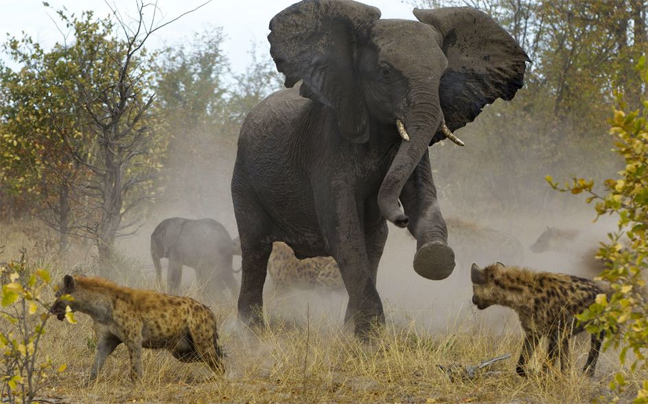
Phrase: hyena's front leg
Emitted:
{"points": [[530, 342], [552, 350], [133, 341], [106, 344]]}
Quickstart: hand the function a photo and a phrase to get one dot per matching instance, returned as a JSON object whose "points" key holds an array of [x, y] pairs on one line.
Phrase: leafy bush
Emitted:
{"points": [[624, 317], [23, 316]]}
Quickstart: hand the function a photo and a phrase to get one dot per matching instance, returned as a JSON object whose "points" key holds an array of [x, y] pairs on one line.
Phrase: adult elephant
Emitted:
{"points": [[322, 165], [203, 245]]}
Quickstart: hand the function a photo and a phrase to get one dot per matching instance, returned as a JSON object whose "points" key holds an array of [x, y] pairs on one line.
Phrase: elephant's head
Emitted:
{"points": [[422, 78]]}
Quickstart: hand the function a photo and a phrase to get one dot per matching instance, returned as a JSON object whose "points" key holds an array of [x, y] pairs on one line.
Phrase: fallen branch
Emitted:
{"points": [[455, 371]]}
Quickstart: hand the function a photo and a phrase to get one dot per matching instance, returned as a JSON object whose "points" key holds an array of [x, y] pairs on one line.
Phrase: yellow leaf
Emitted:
{"points": [[43, 274], [626, 289], [9, 298], [601, 299], [32, 307], [69, 315], [13, 286], [62, 368]]}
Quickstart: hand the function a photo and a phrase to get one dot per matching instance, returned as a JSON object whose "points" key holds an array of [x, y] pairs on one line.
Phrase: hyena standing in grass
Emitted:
{"points": [[141, 319], [546, 304]]}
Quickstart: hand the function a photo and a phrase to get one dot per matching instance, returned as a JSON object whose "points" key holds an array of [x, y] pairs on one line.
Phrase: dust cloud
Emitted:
{"points": [[488, 215]]}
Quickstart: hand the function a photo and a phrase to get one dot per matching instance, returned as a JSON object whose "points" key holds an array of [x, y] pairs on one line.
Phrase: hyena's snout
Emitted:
{"points": [[58, 309]]}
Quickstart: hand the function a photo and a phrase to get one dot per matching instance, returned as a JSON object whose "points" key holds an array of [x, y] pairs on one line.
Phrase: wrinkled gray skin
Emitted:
{"points": [[203, 245], [321, 166]]}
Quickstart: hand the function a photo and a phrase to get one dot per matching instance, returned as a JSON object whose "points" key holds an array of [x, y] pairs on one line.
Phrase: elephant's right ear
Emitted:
{"points": [[315, 41]]}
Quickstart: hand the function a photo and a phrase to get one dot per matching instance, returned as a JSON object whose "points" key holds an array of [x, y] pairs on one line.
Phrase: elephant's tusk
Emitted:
{"points": [[401, 130], [449, 135]]}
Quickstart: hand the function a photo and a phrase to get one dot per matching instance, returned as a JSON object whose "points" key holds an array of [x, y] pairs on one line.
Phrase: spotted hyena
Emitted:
{"points": [[546, 304], [141, 319], [287, 271]]}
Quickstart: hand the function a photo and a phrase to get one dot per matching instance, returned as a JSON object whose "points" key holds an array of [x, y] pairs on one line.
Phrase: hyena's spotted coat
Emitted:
{"points": [[141, 319], [546, 304], [287, 271]]}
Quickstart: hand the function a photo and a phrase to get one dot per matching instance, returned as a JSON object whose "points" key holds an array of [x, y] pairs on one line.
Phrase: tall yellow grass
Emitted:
{"points": [[305, 356]]}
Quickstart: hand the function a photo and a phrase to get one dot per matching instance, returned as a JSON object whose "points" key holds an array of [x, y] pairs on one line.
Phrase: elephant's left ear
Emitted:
{"points": [[484, 62]]}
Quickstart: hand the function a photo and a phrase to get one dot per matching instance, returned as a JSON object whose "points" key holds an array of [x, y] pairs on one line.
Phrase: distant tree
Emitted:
{"points": [[192, 90], [90, 100], [581, 53], [204, 104], [259, 80], [37, 167]]}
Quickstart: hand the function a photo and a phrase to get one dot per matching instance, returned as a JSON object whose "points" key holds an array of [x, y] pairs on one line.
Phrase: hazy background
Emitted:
{"points": [[214, 67]]}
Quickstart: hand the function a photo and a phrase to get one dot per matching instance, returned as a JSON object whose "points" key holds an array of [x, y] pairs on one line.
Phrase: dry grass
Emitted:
{"points": [[318, 362], [305, 356]]}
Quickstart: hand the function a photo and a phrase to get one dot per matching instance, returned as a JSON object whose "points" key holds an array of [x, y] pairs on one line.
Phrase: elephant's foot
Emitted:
{"points": [[252, 317], [366, 324], [434, 260]]}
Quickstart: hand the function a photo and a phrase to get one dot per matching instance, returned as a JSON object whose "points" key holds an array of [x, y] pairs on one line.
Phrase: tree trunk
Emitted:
{"points": [[112, 204], [64, 218]]}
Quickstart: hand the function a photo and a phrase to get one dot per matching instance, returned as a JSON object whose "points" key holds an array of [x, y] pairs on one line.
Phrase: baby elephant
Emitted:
{"points": [[141, 319], [546, 304]]}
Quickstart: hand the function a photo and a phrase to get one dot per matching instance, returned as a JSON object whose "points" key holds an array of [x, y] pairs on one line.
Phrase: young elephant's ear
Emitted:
{"points": [[315, 41], [484, 62], [68, 283]]}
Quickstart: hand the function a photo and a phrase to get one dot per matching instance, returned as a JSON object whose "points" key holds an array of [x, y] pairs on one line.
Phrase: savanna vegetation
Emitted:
{"points": [[101, 137]]}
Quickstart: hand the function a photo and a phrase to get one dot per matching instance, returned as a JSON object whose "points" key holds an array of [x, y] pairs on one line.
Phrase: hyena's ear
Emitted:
{"points": [[68, 283], [477, 275], [499, 264]]}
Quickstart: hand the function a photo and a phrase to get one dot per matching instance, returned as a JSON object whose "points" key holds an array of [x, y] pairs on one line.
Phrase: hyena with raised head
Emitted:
{"points": [[141, 319], [546, 304]]}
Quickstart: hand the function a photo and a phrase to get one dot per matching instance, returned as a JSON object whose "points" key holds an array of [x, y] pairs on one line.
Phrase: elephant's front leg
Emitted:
{"points": [[434, 259], [344, 232], [254, 272]]}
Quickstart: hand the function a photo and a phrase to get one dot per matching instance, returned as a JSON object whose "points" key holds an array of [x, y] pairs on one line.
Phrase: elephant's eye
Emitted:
{"points": [[385, 71]]}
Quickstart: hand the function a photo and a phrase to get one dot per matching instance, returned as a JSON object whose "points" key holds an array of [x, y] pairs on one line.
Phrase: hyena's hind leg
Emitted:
{"points": [[205, 340], [592, 358]]}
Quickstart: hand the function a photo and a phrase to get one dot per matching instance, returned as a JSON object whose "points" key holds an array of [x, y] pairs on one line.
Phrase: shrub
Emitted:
{"points": [[23, 316], [624, 317]]}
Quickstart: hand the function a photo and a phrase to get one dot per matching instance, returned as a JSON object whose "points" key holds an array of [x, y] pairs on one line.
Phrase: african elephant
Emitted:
{"points": [[203, 245], [322, 165]]}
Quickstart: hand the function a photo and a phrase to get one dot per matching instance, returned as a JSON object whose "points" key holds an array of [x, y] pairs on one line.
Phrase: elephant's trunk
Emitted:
{"points": [[420, 130]]}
